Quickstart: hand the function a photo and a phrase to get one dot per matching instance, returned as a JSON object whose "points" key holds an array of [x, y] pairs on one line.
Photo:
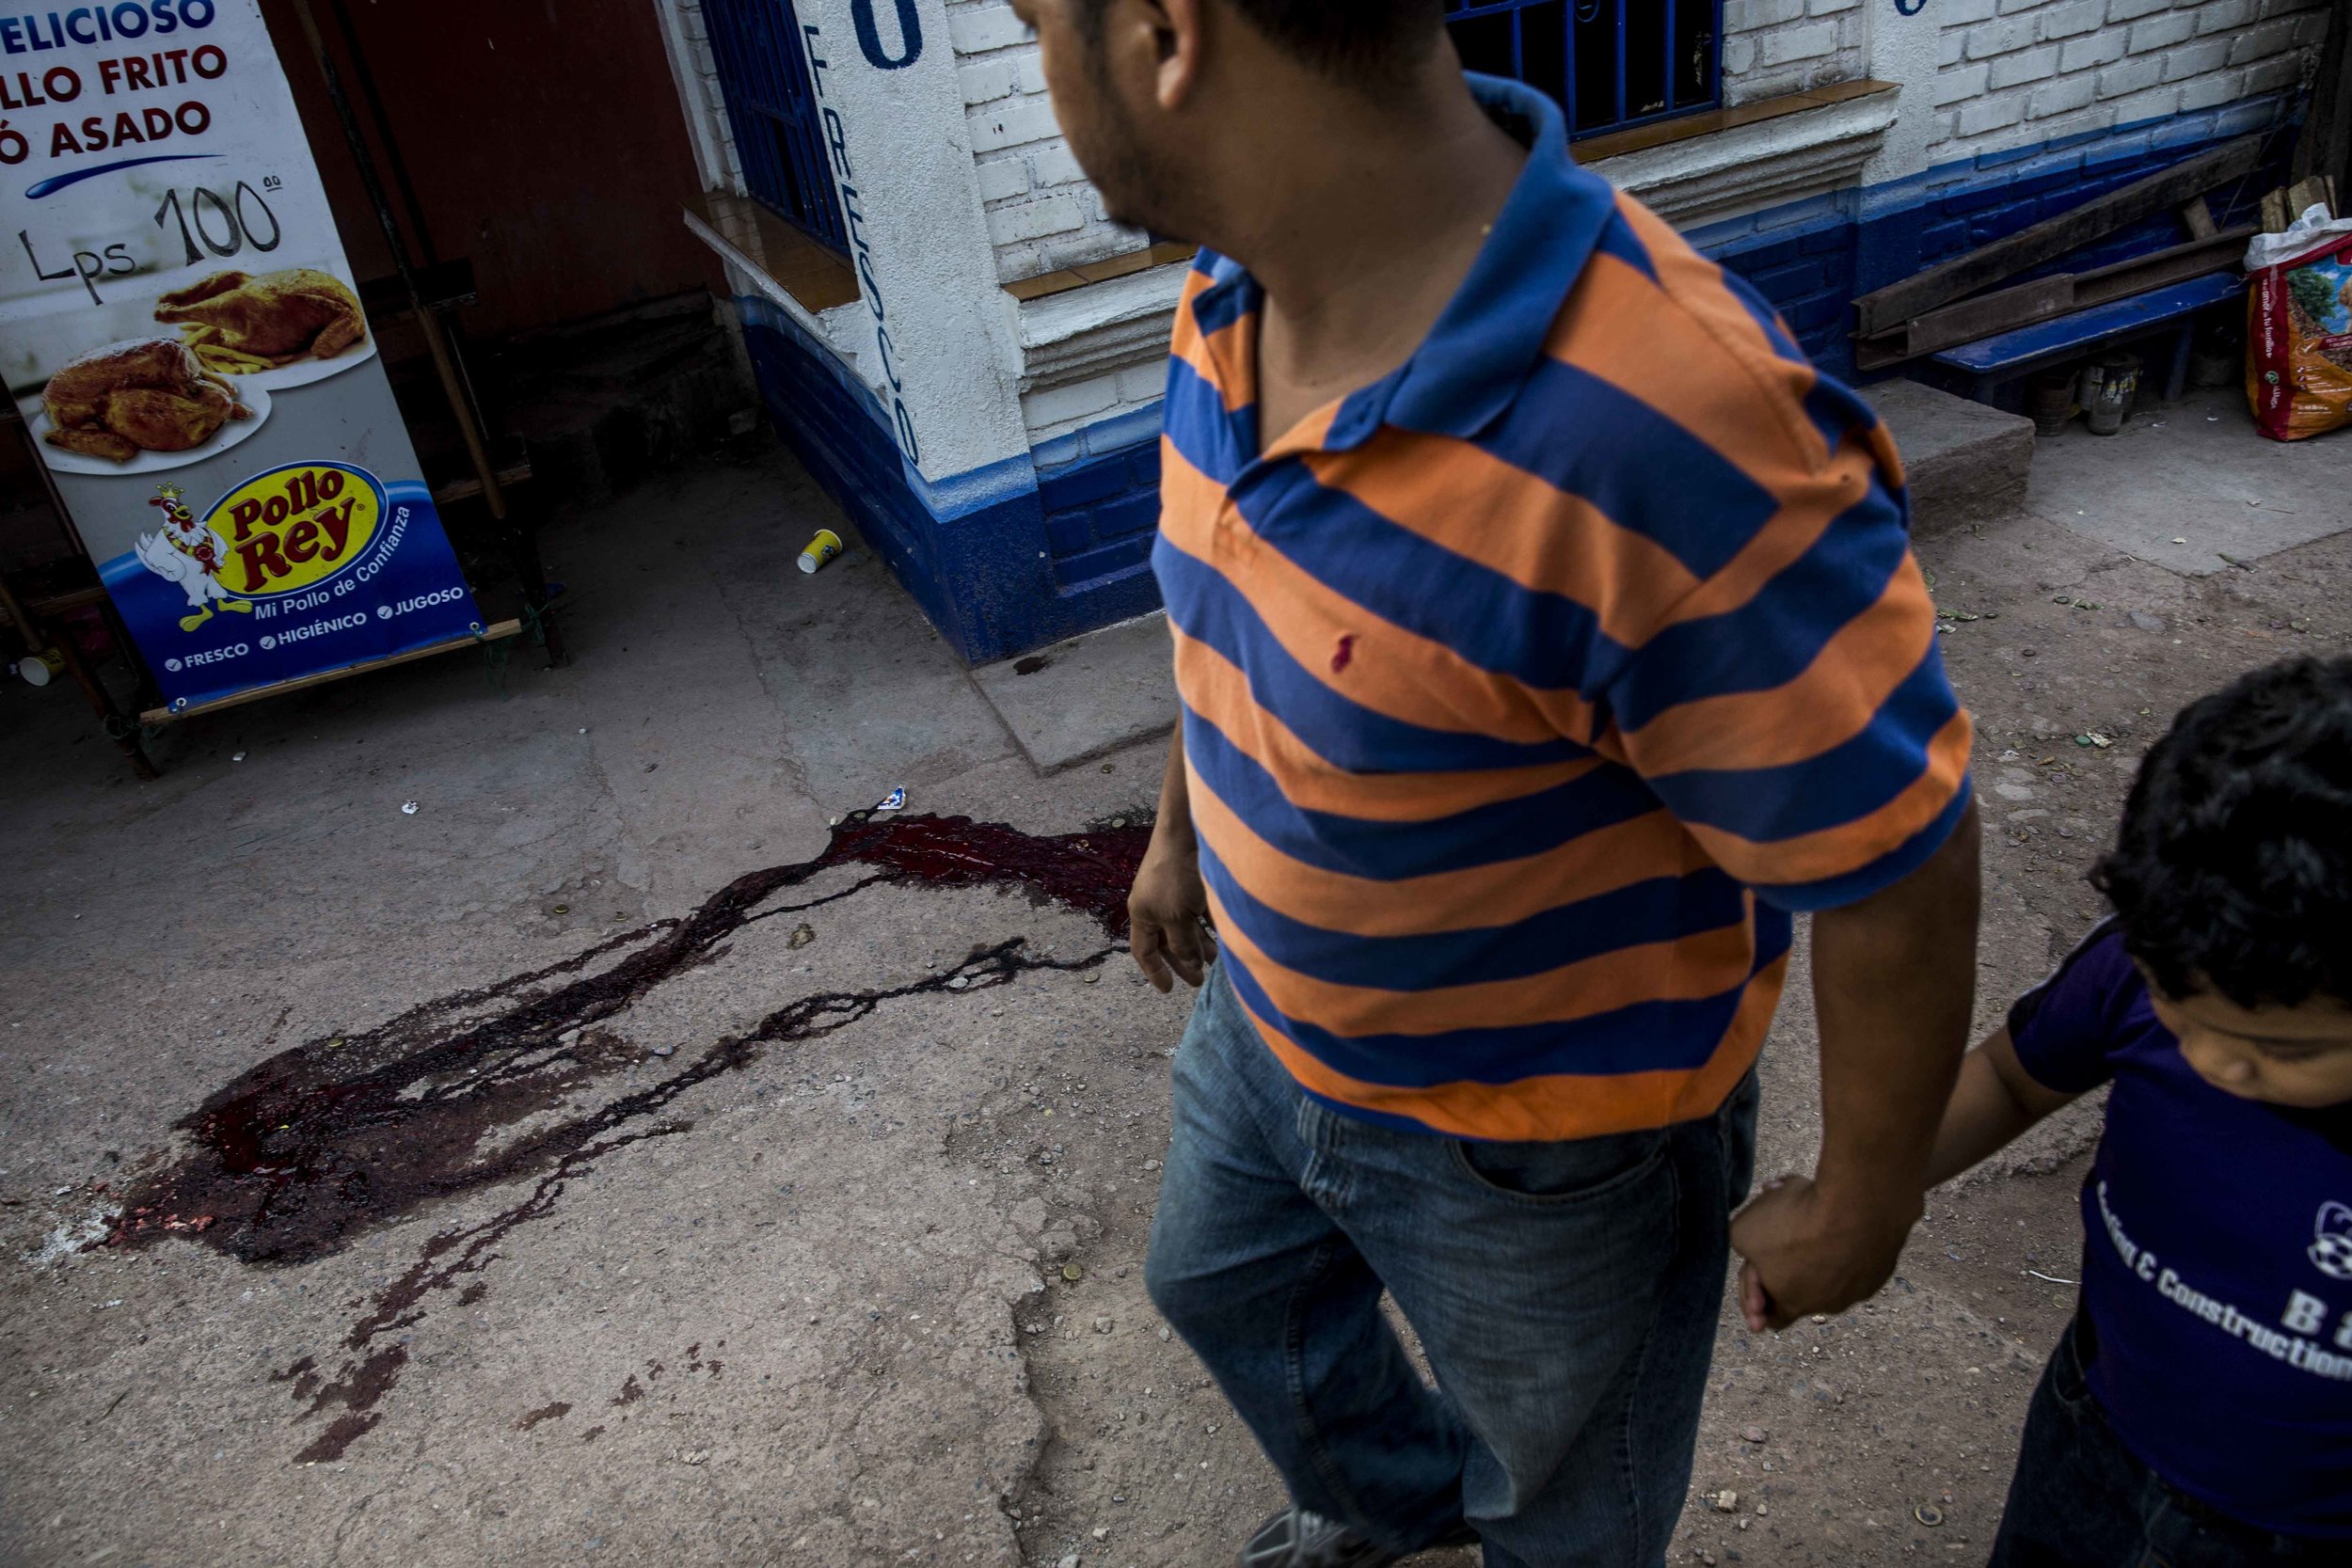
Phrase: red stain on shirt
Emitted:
{"points": [[1345, 654]]}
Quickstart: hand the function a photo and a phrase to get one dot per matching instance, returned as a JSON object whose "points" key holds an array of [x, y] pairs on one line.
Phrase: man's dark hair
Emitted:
{"points": [[1364, 42], [2233, 871]]}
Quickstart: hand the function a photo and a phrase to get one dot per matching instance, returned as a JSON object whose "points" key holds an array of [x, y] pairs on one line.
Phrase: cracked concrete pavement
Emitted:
{"points": [[869, 1294]]}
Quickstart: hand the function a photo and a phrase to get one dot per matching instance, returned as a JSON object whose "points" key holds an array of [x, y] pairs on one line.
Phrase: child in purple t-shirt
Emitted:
{"points": [[2200, 1409]]}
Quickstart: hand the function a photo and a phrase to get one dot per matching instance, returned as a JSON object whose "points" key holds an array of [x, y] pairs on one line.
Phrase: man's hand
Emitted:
{"points": [[1894, 976], [1166, 912], [1820, 1254], [1167, 909]]}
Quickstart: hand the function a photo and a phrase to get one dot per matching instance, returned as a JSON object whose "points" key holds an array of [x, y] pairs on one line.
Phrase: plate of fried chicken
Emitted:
{"points": [[271, 330], [141, 406]]}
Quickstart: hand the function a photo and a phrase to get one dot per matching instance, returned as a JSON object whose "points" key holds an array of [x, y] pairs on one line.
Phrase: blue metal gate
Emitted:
{"points": [[778, 135], [1608, 63]]}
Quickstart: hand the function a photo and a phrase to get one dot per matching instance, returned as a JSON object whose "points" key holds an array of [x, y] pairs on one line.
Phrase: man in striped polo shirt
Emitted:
{"points": [[1548, 636]]}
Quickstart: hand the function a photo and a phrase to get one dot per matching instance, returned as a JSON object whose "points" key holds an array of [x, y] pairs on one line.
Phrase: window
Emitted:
{"points": [[773, 108], [1608, 63]]}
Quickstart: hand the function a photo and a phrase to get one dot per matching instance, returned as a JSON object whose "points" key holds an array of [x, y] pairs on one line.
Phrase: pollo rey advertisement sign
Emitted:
{"points": [[183, 333]]}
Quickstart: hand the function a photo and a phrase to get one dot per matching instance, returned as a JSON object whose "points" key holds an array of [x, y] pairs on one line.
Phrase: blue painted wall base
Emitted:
{"points": [[977, 552], [1057, 541]]}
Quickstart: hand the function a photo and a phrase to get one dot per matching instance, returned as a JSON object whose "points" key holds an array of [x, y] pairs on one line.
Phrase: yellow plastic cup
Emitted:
{"points": [[821, 549]]}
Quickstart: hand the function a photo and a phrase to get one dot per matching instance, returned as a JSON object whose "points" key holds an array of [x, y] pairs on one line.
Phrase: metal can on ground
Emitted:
{"points": [[2110, 384]]}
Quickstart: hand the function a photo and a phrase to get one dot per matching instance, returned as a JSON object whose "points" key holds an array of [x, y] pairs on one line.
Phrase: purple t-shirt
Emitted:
{"points": [[2217, 1259]]}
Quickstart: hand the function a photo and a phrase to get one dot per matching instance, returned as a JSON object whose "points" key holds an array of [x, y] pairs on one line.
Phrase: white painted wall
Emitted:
{"points": [[938, 345], [963, 180], [2009, 72], [1772, 47], [1904, 50], [1096, 353], [1043, 215], [701, 98]]}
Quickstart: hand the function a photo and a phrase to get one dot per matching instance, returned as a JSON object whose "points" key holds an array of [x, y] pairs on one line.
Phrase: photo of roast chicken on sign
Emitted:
{"points": [[239, 324], [167, 395], [149, 394]]}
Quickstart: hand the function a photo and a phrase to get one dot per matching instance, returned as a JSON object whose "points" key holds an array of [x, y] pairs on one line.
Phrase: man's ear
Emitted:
{"points": [[1183, 29]]}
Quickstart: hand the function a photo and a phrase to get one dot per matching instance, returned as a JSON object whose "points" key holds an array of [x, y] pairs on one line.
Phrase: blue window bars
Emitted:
{"points": [[1608, 63], [773, 108]]}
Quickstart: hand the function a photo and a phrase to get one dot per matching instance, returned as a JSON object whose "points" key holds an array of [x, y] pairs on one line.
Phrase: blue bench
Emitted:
{"points": [[1985, 370]]}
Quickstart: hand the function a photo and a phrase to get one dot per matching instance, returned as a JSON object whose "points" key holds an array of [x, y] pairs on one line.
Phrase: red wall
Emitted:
{"points": [[544, 139]]}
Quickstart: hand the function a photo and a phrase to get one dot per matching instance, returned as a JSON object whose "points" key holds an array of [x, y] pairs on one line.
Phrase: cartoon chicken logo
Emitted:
{"points": [[188, 555]]}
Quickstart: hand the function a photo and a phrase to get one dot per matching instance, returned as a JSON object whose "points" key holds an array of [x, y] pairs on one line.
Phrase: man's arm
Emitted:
{"points": [[1168, 906], [1894, 980]]}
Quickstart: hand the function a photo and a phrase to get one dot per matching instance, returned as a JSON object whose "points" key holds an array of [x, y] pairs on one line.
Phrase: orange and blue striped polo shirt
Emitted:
{"points": [[1528, 690]]}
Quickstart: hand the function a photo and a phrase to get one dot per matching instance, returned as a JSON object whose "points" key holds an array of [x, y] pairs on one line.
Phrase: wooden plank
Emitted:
{"points": [[2050, 238], [67, 602], [2325, 144], [303, 683], [2023, 304], [2307, 192], [818, 278], [15, 615], [2199, 218], [466, 488], [1967, 321], [2274, 218], [445, 286]]}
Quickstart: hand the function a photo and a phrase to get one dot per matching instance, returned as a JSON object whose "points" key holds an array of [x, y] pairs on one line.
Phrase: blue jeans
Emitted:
{"points": [[2081, 1500], [1565, 1294]]}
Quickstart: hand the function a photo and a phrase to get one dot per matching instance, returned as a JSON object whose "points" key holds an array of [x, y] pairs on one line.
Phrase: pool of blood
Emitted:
{"points": [[284, 1162], [329, 1138]]}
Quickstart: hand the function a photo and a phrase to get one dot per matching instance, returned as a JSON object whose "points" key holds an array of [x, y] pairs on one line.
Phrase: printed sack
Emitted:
{"points": [[2298, 327]]}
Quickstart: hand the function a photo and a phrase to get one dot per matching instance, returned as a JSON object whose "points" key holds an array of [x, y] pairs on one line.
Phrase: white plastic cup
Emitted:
{"points": [[41, 667]]}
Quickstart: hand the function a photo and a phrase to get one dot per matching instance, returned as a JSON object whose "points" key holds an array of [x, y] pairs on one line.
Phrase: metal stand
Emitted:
{"points": [[118, 725], [517, 533]]}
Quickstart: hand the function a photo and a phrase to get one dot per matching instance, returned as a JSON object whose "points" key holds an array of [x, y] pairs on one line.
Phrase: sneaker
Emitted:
{"points": [[1301, 1538]]}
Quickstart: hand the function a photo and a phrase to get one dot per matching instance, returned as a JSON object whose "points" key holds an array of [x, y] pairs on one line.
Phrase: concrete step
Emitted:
{"points": [[1091, 694], [1966, 463], [644, 356], [583, 446], [607, 410]]}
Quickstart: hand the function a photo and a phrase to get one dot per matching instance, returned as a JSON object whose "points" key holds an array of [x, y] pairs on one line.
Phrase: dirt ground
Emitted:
{"points": [[613, 1162]]}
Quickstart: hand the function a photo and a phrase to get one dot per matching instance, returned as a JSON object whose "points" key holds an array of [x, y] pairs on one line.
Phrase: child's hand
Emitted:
{"points": [[1808, 1252], [1755, 1302]]}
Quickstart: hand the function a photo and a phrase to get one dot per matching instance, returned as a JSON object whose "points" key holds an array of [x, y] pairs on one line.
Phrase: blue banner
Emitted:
{"points": [[308, 567]]}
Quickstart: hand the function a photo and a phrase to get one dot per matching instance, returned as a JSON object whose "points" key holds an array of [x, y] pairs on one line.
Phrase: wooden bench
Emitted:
{"points": [[1989, 370]]}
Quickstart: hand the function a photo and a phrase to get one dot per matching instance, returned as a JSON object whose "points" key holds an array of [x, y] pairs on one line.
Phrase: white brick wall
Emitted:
{"points": [[1058, 410], [705, 73], [2012, 71], [1043, 215], [2015, 72], [1772, 47]]}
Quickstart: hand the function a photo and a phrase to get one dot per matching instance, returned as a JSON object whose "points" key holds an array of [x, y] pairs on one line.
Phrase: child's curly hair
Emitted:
{"points": [[2233, 869]]}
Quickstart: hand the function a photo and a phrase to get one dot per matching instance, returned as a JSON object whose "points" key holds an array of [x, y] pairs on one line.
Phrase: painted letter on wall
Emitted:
{"points": [[870, 37]]}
